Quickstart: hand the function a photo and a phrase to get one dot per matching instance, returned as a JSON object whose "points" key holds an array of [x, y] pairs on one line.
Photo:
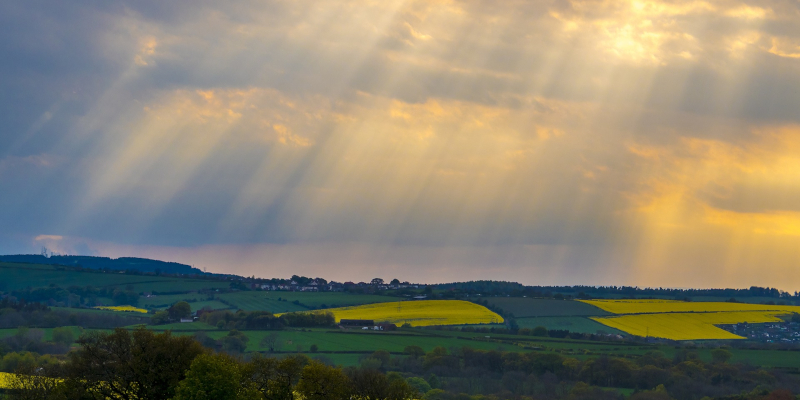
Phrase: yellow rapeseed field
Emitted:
{"points": [[680, 320], [122, 308], [6, 380], [666, 306], [421, 313], [685, 326]]}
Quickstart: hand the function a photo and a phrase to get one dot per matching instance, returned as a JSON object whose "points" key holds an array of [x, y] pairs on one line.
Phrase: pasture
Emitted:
{"points": [[421, 313], [269, 301], [530, 307], [20, 276], [572, 324]]}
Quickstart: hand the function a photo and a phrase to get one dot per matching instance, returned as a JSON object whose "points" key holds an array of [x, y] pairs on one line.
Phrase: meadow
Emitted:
{"points": [[572, 324], [280, 302], [532, 307], [18, 276], [421, 313]]}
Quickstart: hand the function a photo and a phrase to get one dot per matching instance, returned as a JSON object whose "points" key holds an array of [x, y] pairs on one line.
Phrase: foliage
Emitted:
{"points": [[180, 310], [137, 364], [63, 336], [234, 342], [322, 382], [309, 319], [215, 377], [276, 379], [242, 320]]}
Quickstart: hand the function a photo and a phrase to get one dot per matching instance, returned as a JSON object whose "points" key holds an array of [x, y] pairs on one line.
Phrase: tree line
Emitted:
{"points": [[141, 364]]}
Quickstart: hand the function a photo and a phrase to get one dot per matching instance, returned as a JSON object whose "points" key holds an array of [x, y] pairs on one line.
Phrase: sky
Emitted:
{"points": [[599, 142]]}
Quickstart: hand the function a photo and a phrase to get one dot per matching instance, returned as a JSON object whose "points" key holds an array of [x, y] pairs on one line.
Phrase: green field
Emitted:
{"points": [[21, 276], [347, 347], [530, 307], [48, 332], [268, 301], [572, 324]]}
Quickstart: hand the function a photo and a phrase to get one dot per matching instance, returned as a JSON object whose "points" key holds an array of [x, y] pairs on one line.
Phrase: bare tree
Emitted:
{"points": [[271, 342]]}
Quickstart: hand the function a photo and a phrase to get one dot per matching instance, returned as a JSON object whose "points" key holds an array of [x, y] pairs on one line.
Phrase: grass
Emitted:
{"points": [[268, 301], [421, 313], [18, 276], [572, 324], [48, 332], [530, 307]]}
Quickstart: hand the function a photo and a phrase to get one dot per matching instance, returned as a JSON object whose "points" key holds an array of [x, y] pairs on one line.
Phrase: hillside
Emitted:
{"points": [[122, 263]]}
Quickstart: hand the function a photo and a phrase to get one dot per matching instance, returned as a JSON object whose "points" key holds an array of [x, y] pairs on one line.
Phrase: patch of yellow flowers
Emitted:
{"points": [[7, 380], [421, 313], [122, 308], [680, 320]]}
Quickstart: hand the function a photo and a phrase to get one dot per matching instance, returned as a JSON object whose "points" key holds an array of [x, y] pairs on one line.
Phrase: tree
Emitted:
{"points": [[368, 384], [63, 336], [321, 382], [419, 384], [539, 331], [721, 355], [271, 342], [180, 310], [276, 379], [395, 281], [235, 342], [414, 351], [129, 364], [160, 318], [215, 377]]}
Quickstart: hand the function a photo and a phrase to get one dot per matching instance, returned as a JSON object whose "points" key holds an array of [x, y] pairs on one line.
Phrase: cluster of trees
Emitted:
{"points": [[175, 313], [501, 288], [140, 364], [512, 375], [21, 313], [539, 331], [261, 320], [32, 340]]}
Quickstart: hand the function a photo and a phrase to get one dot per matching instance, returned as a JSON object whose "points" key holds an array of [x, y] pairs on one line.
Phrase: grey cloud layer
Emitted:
{"points": [[409, 123]]}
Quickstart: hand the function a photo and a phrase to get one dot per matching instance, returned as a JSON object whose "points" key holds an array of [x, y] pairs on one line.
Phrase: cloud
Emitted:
{"points": [[626, 136], [48, 238]]}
